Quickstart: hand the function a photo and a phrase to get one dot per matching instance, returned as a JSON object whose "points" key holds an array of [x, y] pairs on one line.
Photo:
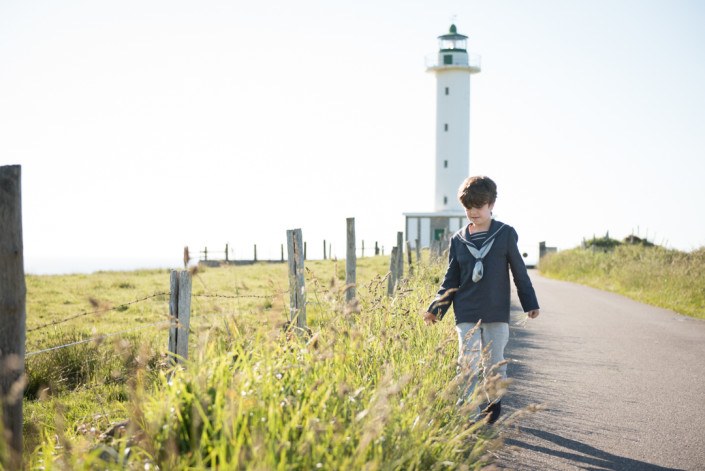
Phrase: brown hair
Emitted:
{"points": [[475, 192]]}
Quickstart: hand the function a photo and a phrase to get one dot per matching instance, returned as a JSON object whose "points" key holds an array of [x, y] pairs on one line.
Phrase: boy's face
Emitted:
{"points": [[480, 217]]}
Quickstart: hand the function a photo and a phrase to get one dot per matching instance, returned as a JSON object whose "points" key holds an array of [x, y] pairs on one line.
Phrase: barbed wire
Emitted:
{"points": [[212, 314], [99, 337], [240, 296], [97, 311]]}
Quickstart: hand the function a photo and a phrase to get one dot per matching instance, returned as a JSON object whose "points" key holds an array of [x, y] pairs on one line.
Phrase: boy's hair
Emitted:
{"points": [[477, 191]]}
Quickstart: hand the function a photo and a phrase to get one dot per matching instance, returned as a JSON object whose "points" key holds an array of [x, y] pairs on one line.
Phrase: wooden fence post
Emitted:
{"points": [[305, 251], [180, 312], [400, 256], [297, 288], [324, 250], [418, 252], [408, 256], [376, 248], [226, 253], [350, 261], [392, 280], [255, 252], [282, 252], [362, 255], [173, 311], [12, 313]]}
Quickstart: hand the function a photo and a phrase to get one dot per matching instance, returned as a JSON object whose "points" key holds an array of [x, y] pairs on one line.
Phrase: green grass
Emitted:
{"points": [[371, 387], [666, 278]]}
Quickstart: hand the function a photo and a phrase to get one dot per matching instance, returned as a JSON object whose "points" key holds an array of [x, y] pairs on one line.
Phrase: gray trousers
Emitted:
{"points": [[491, 338]]}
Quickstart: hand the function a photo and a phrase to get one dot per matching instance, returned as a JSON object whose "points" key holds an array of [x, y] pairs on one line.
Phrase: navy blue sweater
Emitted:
{"points": [[488, 299]]}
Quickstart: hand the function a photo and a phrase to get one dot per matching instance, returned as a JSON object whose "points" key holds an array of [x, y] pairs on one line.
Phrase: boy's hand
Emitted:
{"points": [[533, 313], [430, 318]]}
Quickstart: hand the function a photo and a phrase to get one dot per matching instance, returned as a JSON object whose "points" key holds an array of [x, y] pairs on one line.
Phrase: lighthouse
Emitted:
{"points": [[452, 66]]}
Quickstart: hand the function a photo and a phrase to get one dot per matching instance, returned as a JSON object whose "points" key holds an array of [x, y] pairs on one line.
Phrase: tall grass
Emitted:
{"points": [[655, 275], [370, 387]]}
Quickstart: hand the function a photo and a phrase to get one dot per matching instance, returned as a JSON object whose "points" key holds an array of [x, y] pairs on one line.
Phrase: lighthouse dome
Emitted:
{"points": [[452, 41]]}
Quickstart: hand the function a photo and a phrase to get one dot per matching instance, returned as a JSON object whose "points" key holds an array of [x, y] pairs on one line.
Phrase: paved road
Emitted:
{"points": [[623, 385]]}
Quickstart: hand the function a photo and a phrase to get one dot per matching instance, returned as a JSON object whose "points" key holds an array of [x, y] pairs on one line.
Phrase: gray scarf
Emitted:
{"points": [[479, 270]]}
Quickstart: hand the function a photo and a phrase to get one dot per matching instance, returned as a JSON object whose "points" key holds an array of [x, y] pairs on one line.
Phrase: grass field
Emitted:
{"points": [[370, 387], [655, 275]]}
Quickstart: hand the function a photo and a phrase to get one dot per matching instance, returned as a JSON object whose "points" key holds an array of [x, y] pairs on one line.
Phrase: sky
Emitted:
{"points": [[146, 126]]}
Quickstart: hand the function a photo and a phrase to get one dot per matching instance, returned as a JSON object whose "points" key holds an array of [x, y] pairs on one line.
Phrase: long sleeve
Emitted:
{"points": [[451, 281], [525, 290]]}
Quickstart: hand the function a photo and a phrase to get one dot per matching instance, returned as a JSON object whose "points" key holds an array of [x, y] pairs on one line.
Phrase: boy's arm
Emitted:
{"points": [[444, 298], [525, 290]]}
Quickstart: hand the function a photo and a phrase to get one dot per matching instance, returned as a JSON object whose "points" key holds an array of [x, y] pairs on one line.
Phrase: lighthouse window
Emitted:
{"points": [[448, 59], [445, 126], [447, 91], [445, 200], [445, 164]]}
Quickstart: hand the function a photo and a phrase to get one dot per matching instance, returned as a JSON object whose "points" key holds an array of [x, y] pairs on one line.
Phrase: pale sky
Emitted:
{"points": [[144, 126]]}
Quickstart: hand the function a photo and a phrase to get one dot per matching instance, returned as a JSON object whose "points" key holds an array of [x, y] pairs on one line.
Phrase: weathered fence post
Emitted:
{"points": [[205, 254], [418, 252], [226, 253], [180, 312], [350, 261], [392, 280], [362, 255], [12, 313], [255, 252], [400, 256], [173, 310], [297, 288], [376, 248], [282, 252], [305, 245], [324, 250], [408, 256]]}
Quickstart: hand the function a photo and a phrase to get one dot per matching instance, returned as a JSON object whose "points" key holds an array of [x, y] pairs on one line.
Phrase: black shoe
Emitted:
{"points": [[492, 412]]}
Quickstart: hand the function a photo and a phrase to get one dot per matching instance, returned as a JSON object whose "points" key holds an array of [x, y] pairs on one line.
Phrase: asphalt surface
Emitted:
{"points": [[622, 384]]}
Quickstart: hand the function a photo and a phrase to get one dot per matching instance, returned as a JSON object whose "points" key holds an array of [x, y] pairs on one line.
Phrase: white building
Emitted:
{"points": [[453, 67]]}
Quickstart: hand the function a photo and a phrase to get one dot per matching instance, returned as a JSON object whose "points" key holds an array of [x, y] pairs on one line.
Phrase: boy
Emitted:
{"points": [[477, 284]]}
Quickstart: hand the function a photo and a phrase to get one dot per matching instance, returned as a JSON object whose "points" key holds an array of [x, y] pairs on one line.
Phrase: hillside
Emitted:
{"points": [[651, 274]]}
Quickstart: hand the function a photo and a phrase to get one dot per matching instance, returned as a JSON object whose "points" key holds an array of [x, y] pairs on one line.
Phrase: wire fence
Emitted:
{"points": [[97, 338], [123, 306], [119, 307], [180, 297], [257, 254], [241, 296]]}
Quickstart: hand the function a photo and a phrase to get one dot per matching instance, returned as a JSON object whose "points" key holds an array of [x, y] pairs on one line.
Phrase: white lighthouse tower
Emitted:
{"points": [[452, 66]]}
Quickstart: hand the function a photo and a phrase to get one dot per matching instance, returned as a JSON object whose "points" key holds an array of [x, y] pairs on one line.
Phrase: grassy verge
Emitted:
{"points": [[370, 387], [667, 278]]}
